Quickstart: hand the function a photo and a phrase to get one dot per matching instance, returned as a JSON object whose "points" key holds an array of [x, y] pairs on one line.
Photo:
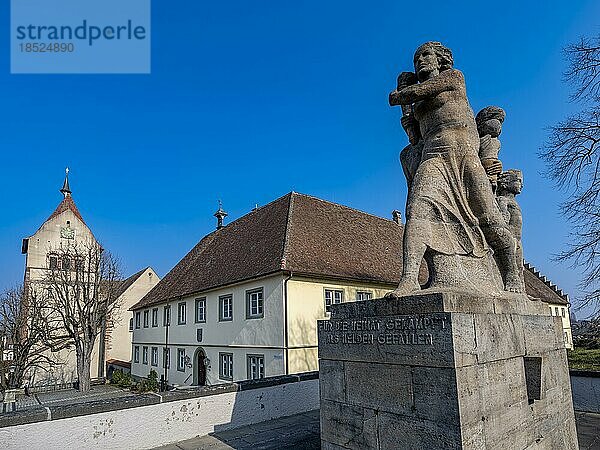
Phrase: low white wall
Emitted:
{"points": [[165, 423], [586, 392]]}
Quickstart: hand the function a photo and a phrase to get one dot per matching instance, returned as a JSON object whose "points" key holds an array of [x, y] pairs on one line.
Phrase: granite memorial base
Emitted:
{"points": [[444, 370]]}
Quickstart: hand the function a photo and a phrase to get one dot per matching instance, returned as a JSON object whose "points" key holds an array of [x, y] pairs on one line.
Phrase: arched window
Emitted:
{"points": [[52, 261]]}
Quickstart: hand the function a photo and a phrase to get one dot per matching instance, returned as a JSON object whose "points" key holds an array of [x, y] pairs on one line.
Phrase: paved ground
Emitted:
{"points": [[301, 432], [69, 396], [588, 430]]}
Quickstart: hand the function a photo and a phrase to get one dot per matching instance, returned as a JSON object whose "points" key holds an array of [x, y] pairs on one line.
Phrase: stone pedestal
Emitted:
{"points": [[444, 370]]}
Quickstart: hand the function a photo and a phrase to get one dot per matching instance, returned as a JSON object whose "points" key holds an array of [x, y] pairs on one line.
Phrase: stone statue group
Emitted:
{"points": [[461, 212]]}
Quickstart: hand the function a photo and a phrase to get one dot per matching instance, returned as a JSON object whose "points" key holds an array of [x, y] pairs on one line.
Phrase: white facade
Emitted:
{"points": [[118, 345], [240, 337], [563, 311]]}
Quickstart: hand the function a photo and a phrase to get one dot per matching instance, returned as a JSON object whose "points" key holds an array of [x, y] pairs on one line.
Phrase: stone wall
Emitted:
{"points": [[151, 420]]}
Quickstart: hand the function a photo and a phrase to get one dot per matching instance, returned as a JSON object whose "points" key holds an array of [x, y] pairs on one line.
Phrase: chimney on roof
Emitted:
{"points": [[66, 190], [220, 215], [397, 216]]}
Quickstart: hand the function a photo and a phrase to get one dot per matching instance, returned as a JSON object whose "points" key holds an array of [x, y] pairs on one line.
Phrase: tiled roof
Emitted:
{"points": [[125, 284], [538, 286], [64, 205], [300, 234], [328, 239]]}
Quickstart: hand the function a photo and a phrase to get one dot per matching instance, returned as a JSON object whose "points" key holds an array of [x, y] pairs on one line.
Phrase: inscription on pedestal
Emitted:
{"points": [[400, 330]]}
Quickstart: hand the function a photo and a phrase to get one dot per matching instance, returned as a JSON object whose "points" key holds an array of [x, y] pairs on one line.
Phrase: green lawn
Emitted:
{"points": [[584, 359]]}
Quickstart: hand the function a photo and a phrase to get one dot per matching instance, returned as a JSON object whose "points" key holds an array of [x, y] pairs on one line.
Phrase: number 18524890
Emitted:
{"points": [[57, 47]]}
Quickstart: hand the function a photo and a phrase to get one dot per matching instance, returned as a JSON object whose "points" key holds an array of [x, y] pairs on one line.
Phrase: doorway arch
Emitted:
{"points": [[199, 367]]}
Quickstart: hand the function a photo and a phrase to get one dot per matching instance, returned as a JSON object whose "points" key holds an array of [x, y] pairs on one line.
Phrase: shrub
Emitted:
{"points": [[123, 380], [116, 377], [152, 380], [150, 383]]}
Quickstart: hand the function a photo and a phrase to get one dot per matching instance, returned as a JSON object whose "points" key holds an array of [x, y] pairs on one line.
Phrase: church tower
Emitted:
{"points": [[64, 227]]}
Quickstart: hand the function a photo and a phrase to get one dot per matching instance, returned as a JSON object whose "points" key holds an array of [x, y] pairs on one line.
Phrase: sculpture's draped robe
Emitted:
{"points": [[440, 185]]}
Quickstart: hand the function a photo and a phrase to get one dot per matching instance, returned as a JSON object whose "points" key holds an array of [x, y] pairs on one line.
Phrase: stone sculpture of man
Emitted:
{"points": [[451, 208], [510, 184], [489, 126]]}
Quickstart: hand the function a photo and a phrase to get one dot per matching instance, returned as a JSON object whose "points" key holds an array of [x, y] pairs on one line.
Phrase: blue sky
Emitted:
{"points": [[250, 100]]}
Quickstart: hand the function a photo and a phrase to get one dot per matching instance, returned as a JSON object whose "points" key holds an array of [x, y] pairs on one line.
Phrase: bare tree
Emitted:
{"points": [[29, 336], [82, 294], [573, 163]]}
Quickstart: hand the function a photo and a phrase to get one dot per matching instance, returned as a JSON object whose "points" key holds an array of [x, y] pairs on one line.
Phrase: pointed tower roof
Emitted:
{"points": [[66, 190], [67, 202]]}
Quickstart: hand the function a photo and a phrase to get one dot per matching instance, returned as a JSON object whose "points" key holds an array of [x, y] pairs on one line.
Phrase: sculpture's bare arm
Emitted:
{"points": [[448, 80]]}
